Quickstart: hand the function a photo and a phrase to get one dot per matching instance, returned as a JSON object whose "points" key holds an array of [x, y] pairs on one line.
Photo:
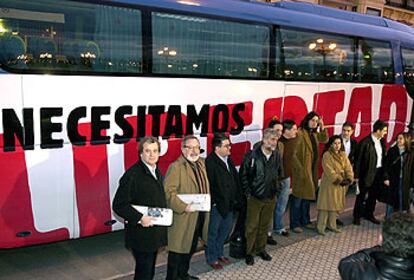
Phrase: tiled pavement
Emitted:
{"points": [[313, 258], [299, 256]]}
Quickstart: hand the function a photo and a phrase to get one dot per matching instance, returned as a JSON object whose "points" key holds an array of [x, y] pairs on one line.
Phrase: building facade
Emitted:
{"points": [[399, 10]]}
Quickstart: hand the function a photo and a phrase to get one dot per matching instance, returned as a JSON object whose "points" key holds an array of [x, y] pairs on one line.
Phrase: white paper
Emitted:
{"points": [[163, 216], [199, 202]]}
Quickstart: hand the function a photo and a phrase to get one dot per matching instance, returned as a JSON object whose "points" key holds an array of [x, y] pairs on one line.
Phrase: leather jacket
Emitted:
{"points": [[260, 176], [374, 263]]}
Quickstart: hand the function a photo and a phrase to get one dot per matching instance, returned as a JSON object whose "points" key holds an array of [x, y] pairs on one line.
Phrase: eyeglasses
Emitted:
{"points": [[194, 148], [227, 146]]}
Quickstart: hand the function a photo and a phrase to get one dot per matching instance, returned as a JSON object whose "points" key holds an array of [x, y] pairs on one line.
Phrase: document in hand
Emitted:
{"points": [[163, 216], [199, 202]]}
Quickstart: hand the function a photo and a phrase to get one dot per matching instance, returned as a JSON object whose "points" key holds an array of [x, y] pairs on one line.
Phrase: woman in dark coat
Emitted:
{"points": [[399, 174]]}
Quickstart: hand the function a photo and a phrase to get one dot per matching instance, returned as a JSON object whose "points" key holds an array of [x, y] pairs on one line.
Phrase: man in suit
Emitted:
{"points": [[350, 145], [142, 185], [225, 195], [369, 172], [186, 175]]}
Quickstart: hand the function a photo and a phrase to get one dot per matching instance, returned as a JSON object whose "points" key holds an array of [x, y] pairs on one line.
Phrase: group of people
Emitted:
{"points": [[287, 158]]}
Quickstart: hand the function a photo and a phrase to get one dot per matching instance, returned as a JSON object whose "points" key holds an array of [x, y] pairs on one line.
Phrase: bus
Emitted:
{"points": [[81, 82]]}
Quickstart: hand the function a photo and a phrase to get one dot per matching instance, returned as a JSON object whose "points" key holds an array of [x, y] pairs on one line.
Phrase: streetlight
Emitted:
{"points": [[323, 48], [167, 53]]}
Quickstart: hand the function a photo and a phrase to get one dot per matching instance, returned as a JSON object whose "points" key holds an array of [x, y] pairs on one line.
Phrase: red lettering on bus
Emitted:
{"points": [[361, 104], [393, 94]]}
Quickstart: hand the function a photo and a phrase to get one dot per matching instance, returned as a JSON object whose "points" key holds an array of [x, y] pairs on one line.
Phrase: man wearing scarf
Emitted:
{"points": [[187, 175]]}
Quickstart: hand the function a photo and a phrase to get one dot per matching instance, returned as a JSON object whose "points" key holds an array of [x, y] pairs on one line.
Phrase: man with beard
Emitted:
{"points": [[260, 172], [187, 175]]}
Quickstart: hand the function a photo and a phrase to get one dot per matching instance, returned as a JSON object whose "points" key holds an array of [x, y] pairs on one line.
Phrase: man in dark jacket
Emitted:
{"points": [[393, 260], [142, 185], [369, 172], [260, 172], [225, 194]]}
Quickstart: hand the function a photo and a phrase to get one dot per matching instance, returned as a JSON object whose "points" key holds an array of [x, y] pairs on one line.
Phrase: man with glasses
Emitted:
{"points": [[225, 195], [187, 175]]}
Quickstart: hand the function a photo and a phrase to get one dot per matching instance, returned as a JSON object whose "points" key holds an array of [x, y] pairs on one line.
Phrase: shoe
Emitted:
{"points": [[216, 265], [310, 226], [224, 260], [283, 232], [297, 230], [357, 221], [265, 256], [249, 260], [271, 241], [373, 220], [321, 232], [335, 230], [339, 223]]}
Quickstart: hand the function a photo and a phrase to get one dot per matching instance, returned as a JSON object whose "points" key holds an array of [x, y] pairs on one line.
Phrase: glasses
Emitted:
{"points": [[194, 148], [227, 146]]}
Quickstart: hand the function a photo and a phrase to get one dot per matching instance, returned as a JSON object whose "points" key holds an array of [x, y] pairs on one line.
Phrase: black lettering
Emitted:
{"points": [[174, 122], [237, 109], [47, 127], [156, 112], [98, 125], [72, 126], [127, 131], [222, 110], [13, 128], [141, 122], [197, 120]]}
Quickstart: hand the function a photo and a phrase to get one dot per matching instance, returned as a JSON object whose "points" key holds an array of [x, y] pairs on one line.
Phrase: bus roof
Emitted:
{"points": [[290, 14]]}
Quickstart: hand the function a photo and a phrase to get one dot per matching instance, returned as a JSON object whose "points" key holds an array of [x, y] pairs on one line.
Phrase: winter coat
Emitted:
{"points": [[180, 179], [224, 184], [139, 187], [260, 176], [392, 173], [336, 167], [374, 264], [304, 177]]}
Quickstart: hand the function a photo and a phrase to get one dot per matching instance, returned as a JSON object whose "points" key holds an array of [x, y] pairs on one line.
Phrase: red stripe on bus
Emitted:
{"points": [[92, 185], [16, 206]]}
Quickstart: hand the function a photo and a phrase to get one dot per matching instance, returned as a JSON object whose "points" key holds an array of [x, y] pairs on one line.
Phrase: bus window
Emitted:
{"points": [[48, 36], [308, 55], [408, 69], [187, 45], [374, 62]]}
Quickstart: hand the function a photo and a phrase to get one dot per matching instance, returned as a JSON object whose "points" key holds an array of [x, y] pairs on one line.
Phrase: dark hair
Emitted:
{"points": [[305, 122], [273, 122], [331, 140], [149, 140], [186, 138], [407, 140], [398, 235], [349, 124], [288, 124], [379, 125], [218, 140]]}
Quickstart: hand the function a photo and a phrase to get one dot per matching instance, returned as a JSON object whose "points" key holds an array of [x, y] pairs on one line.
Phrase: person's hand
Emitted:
{"points": [[147, 221], [321, 124], [387, 183], [189, 209]]}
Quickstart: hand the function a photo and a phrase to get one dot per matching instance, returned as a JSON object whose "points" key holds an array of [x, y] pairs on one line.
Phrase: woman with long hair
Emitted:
{"points": [[399, 174], [337, 175]]}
